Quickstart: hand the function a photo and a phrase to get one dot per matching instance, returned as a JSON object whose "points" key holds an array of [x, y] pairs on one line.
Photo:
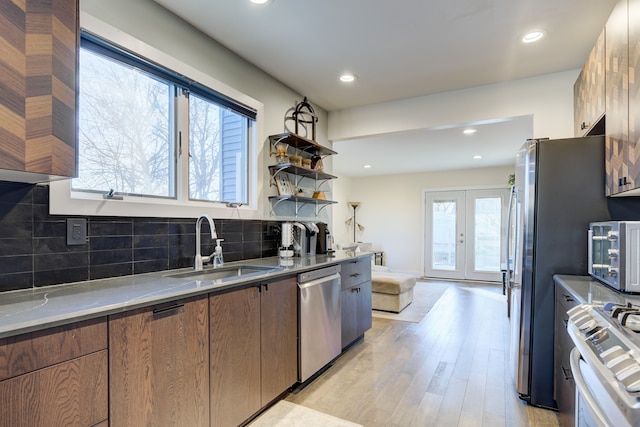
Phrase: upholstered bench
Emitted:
{"points": [[391, 291]]}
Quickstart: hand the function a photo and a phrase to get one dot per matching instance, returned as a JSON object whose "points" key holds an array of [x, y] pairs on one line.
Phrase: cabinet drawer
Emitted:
{"points": [[355, 272], [35, 350], [72, 393], [565, 300]]}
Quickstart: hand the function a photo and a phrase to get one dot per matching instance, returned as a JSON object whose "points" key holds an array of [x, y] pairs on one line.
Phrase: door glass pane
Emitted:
{"points": [[487, 234], [444, 234]]}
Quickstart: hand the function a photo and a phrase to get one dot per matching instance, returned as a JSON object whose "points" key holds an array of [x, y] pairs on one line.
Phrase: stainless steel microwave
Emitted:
{"points": [[614, 254]]}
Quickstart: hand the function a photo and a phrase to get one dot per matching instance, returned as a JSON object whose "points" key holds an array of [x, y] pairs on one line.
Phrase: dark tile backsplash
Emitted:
{"points": [[34, 250]]}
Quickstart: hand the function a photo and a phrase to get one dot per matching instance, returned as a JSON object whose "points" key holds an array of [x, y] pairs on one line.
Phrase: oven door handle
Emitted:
{"points": [[581, 387]]}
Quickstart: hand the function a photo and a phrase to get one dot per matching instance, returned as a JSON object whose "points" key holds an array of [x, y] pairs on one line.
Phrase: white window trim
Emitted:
{"points": [[64, 201]]}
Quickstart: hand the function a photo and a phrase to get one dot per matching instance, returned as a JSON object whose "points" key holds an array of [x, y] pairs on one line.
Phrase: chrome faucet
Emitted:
{"points": [[200, 260]]}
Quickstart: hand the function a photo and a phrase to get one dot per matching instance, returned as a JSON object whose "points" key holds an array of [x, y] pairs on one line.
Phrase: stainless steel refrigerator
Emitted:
{"points": [[559, 189]]}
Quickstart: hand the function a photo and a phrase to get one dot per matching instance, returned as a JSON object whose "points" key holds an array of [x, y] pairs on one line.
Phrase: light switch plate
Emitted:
{"points": [[76, 231]]}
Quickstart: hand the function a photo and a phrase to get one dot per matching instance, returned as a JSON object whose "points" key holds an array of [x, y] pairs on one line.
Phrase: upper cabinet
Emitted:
{"points": [[634, 91], [589, 90], [617, 99], [38, 80]]}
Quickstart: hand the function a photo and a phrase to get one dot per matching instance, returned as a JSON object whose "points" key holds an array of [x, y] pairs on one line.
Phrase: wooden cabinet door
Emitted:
{"points": [[279, 337], [634, 92], [349, 315], [38, 102], [563, 385], [589, 90], [235, 356], [159, 365], [617, 100], [364, 307], [72, 393]]}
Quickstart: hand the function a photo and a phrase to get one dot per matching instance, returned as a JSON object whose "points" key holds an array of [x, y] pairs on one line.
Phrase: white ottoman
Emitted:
{"points": [[391, 291]]}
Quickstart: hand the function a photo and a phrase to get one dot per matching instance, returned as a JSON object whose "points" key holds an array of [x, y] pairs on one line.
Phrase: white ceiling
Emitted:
{"points": [[402, 49]]}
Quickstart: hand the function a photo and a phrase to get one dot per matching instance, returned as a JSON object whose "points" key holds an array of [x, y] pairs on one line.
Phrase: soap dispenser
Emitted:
{"points": [[218, 260]]}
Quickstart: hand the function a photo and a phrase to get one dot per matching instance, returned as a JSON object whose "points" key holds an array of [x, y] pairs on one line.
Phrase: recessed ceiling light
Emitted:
{"points": [[367, 166], [477, 157], [533, 36], [347, 77], [469, 131], [260, 1]]}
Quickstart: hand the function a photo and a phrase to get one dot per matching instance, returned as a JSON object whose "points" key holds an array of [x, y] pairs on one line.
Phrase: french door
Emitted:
{"points": [[464, 234]]}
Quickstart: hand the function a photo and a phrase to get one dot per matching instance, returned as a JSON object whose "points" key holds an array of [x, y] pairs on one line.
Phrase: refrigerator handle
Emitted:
{"points": [[590, 252], [512, 199]]}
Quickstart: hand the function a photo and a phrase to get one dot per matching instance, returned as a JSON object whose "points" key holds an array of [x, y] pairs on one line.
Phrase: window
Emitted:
{"points": [[138, 120]]}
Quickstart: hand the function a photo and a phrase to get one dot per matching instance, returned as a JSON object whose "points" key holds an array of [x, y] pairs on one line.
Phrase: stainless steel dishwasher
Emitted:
{"points": [[319, 320]]}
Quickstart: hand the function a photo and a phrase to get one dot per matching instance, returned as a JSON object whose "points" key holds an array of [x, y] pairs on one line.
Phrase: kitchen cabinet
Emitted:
{"points": [[634, 91], [589, 90], [563, 384], [159, 365], [355, 295], [55, 377], [305, 148], [39, 81], [254, 355], [617, 101]]}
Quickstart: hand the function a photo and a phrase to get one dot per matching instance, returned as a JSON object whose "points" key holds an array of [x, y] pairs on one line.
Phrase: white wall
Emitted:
{"points": [[391, 209], [548, 98], [153, 25]]}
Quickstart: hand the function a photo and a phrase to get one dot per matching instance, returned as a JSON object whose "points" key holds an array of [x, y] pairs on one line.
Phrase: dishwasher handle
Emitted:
{"points": [[334, 278], [308, 276]]}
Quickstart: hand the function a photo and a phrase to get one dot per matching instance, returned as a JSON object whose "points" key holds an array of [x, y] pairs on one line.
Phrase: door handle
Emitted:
{"points": [[566, 373], [167, 308]]}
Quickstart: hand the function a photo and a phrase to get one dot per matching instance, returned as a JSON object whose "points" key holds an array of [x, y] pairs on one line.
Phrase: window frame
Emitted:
{"points": [[63, 200]]}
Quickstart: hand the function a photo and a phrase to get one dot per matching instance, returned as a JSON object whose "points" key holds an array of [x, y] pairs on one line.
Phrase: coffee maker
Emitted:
{"points": [[304, 238], [324, 240]]}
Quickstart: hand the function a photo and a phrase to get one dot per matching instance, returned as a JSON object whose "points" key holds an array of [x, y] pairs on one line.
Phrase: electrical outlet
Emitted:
{"points": [[76, 231]]}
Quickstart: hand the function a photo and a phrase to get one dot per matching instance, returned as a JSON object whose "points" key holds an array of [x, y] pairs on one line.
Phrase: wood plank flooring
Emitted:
{"points": [[451, 369]]}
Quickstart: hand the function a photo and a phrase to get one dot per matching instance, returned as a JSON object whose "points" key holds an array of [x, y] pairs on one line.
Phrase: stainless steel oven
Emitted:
{"points": [[614, 254], [606, 364]]}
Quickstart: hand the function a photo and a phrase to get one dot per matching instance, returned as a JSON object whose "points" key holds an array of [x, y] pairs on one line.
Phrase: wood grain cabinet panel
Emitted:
{"points": [[254, 353], [589, 90], [279, 338], [159, 365], [38, 75], [617, 100], [72, 393], [235, 393], [55, 377], [634, 91]]}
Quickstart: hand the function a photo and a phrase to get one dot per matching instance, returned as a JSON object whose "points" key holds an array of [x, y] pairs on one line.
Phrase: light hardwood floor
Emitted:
{"points": [[451, 369]]}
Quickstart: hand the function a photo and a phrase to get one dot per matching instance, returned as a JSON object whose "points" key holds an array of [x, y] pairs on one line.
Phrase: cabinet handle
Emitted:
{"points": [[266, 287], [584, 125], [566, 322], [567, 376], [623, 181], [567, 298], [355, 274], [166, 308]]}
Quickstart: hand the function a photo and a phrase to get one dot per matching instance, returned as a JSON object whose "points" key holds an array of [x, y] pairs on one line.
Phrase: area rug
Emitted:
{"points": [[287, 414], [425, 295]]}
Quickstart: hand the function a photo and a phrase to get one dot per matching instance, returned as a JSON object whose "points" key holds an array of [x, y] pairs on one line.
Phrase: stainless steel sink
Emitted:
{"points": [[225, 273]]}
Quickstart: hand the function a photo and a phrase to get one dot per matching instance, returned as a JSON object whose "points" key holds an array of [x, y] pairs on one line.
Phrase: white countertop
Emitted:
{"points": [[585, 289]]}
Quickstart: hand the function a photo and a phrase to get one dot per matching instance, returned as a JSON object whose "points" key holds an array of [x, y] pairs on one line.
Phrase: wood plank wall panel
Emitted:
{"points": [[38, 74], [617, 97], [589, 90], [634, 88]]}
